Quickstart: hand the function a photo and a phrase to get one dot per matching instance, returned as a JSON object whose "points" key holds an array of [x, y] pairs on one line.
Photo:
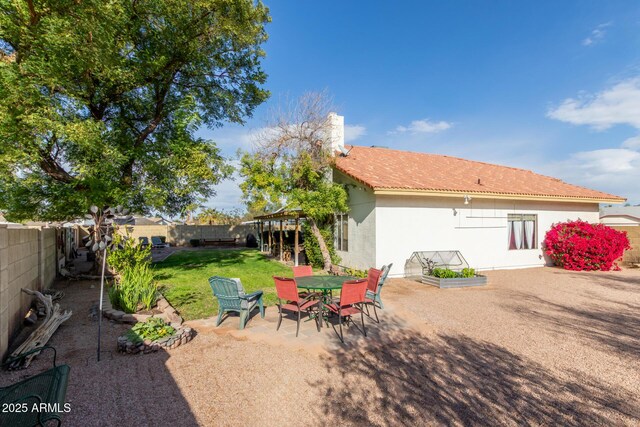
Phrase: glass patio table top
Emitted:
{"points": [[322, 282]]}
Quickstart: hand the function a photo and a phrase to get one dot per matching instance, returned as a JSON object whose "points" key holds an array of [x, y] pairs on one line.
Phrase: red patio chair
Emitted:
{"points": [[288, 299], [302, 271], [373, 281], [352, 297]]}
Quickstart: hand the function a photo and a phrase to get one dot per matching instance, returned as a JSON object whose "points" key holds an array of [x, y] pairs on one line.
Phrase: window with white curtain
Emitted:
{"points": [[522, 231], [341, 232]]}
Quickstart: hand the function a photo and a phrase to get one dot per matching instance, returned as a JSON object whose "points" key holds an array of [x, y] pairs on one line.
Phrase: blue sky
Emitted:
{"points": [[544, 85]]}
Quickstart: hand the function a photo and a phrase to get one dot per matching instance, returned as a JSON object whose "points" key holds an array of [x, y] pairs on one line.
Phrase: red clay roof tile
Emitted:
{"points": [[386, 169]]}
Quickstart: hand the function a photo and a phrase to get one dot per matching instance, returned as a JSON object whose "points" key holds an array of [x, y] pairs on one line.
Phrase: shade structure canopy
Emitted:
{"points": [[279, 217], [281, 214]]}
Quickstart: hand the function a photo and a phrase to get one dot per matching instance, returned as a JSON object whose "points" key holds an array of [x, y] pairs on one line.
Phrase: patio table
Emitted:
{"points": [[324, 284]]}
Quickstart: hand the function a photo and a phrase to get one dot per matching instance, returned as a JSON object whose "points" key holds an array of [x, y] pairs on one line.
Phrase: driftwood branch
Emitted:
{"points": [[53, 318]]}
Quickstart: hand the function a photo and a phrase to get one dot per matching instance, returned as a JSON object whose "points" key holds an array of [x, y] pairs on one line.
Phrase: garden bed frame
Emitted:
{"points": [[458, 282]]}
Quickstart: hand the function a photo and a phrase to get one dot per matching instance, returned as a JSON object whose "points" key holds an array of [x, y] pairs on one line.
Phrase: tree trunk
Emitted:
{"points": [[324, 250]]}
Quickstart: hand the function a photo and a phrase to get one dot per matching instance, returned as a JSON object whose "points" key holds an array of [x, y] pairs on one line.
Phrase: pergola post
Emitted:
{"points": [[270, 242], [281, 240], [261, 236], [295, 250]]}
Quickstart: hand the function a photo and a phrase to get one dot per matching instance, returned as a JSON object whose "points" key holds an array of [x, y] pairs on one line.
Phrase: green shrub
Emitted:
{"points": [[446, 273], [135, 289], [361, 274], [468, 272], [312, 249], [152, 329], [127, 253]]}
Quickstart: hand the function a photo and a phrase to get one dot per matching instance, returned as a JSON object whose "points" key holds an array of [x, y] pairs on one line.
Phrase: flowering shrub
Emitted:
{"points": [[578, 245]]}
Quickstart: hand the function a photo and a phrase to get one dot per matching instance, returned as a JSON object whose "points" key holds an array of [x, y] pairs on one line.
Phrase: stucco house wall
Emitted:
{"points": [[361, 253], [388, 228], [479, 230]]}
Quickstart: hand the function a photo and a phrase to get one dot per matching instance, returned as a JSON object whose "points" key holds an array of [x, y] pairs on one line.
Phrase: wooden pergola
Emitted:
{"points": [[279, 217]]}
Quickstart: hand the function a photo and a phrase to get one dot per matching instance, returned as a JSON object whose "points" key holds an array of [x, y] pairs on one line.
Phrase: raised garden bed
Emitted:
{"points": [[182, 336], [458, 282]]}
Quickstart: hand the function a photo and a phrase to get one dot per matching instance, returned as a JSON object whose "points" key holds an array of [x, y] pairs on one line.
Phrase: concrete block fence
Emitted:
{"points": [[27, 260], [180, 235]]}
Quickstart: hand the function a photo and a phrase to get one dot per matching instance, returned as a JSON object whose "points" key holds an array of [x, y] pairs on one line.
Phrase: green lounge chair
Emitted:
{"points": [[231, 297]]}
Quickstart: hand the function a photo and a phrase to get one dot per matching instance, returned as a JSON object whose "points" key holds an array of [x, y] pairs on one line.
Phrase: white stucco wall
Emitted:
{"points": [[479, 230], [361, 253]]}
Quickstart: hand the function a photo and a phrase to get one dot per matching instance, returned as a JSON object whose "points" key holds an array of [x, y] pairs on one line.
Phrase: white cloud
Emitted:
{"points": [[596, 35], [606, 161], [613, 170], [231, 138], [424, 126], [353, 132], [632, 143], [619, 104], [228, 195]]}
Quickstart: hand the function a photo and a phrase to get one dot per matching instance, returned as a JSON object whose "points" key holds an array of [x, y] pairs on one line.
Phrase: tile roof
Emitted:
{"points": [[386, 169]]}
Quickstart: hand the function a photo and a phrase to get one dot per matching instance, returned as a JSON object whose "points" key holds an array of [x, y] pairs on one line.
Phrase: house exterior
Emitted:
{"points": [[623, 216], [496, 216]]}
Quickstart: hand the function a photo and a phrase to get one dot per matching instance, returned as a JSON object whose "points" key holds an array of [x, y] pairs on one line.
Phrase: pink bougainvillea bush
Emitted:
{"points": [[578, 245]]}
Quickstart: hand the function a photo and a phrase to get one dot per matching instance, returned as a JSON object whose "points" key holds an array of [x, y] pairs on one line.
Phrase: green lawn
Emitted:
{"points": [[183, 277]]}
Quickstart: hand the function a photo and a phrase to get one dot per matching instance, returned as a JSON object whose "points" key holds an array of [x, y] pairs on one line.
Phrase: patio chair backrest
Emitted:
{"points": [[353, 292], [286, 288], [302, 271], [373, 279], [385, 273], [228, 291]]}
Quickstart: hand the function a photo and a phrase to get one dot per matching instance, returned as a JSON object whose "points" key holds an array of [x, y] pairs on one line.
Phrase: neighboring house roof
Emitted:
{"points": [[618, 215], [389, 171], [146, 221], [633, 211], [140, 220]]}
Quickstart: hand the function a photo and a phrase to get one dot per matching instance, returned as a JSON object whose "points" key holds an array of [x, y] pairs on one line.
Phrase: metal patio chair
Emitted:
{"points": [[375, 296], [288, 299], [373, 287], [352, 298]]}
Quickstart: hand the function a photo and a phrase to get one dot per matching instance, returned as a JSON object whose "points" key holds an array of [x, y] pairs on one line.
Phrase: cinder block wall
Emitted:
{"points": [[180, 235], [148, 231], [27, 260], [633, 233]]}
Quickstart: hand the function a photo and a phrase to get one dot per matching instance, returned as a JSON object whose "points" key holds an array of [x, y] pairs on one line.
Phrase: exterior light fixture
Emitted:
{"points": [[467, 199]]}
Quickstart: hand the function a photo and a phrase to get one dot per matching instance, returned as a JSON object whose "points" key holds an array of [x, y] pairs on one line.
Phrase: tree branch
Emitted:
{"points": [[53, 169]]}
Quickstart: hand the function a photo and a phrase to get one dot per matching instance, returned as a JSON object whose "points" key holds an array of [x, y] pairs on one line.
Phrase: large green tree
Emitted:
{"points": [[100, 100], [291, 167]]}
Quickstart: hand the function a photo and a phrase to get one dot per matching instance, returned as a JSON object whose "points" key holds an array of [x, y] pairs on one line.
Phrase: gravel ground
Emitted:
{"points": [[538, 347]]}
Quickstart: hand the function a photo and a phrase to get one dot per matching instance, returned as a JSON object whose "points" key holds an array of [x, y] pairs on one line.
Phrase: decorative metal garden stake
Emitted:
{"points": [[104, 264], [101, 241]]}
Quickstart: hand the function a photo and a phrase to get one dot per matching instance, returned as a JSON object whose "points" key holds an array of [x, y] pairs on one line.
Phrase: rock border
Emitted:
{"points": [[169, 314], [182, 336]]}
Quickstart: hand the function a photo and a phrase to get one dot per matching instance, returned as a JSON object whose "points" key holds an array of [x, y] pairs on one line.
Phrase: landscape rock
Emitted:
{"points": [[141, 317], [163, 304], [128, 318]]}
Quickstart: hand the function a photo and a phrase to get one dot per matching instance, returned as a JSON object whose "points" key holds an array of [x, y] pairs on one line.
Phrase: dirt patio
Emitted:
{"points": [[538, 346]]}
